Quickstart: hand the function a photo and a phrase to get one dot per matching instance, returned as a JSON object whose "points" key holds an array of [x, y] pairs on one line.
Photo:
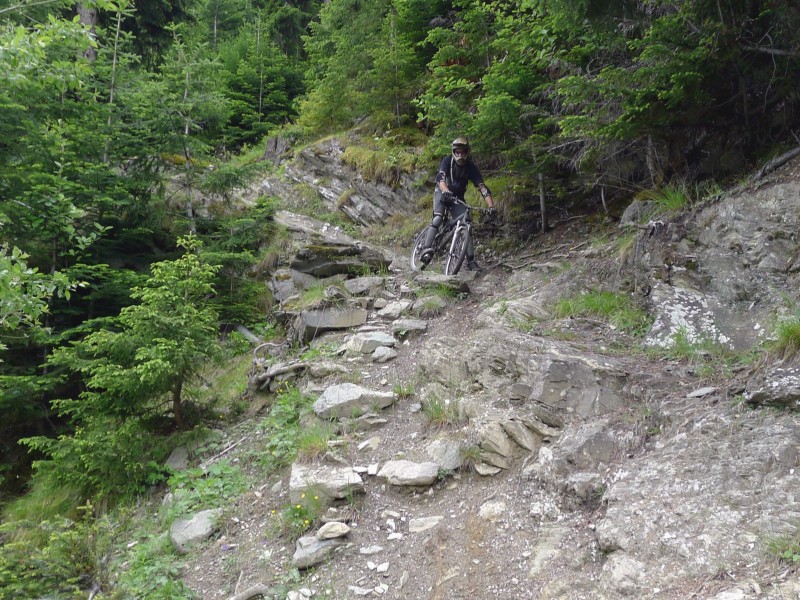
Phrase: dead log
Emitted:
{"points": [[778, 161]]}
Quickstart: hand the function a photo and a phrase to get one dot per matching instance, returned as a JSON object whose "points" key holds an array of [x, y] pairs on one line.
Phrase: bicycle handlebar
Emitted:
{"points": [[472, 208]]}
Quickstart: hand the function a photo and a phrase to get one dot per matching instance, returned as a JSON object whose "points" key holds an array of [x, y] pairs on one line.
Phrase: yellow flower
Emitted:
{"points": [[298, 506], [303, 495], [316, 497]]}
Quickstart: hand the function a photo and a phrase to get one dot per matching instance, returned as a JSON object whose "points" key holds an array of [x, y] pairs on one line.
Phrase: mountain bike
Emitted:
{"points": [[453, 238]]}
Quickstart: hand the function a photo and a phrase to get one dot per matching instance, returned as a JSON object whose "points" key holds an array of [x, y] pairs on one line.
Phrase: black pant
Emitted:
{"points": [[440, 211]]}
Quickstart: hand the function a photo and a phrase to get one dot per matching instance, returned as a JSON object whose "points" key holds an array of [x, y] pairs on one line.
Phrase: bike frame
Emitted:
{"points": [[451, 240]]}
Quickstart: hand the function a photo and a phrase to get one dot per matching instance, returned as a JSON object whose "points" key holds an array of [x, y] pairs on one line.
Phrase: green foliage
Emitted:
{"points": [[296, 519], [70, 559], [261, 82], [159, 344], [235, 243], [196, 489], [380, 166], [48, 499], [615, 309], [365, 58], [281, 428], [105, 457], [785, 549], [24, 292], [312, 442], [153, 570]]}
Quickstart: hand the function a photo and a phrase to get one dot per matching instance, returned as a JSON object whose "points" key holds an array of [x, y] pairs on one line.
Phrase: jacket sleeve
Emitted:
{"points": [[476, 178], [443, 168]]}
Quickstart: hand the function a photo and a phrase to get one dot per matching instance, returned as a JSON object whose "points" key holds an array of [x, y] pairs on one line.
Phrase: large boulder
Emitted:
{"points": [[347, 399]]}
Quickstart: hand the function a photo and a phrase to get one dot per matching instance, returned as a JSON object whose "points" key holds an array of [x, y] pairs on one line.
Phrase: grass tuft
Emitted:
{"points": [[615, 309], [441, 412], [787, 336], [312, 442]]}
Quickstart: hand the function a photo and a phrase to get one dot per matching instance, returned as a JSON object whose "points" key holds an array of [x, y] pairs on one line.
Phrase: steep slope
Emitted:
{"points": [[568, 462]]}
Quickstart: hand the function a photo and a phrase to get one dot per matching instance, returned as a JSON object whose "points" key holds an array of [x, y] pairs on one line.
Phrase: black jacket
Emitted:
{"points": [[457, 177]]}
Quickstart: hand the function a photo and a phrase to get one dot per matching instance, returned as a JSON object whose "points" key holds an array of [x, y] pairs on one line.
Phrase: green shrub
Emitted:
{"points": [[785, 549], [404, 390], [107, 458], [69, 558]]}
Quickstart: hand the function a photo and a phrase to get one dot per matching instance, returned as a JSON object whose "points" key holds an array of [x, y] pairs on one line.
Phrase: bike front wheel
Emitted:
{"points": [[458, 250], [415, 259]]}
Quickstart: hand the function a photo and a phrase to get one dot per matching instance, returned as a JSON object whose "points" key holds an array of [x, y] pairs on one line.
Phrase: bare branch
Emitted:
{"points": [[27, 5], [773, 51]]}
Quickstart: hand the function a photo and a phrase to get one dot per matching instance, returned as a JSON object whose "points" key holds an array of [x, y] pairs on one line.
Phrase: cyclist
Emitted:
{"points": [[455, 172]]}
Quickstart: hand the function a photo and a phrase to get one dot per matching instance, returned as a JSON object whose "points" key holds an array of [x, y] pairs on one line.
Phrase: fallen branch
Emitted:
{"points": [[778, 161], [256, 590], [279, 369], [208, 462]]}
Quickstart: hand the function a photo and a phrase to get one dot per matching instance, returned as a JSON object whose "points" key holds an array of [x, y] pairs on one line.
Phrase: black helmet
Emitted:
{"points": [[460, 148]]}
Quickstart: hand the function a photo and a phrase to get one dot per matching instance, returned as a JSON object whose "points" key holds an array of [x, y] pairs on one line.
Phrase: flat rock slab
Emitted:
{"points": [[346, 399], [311, 551], [405, 472], [310, 323], [404, 327], [368, 342], [187, 532], [364, 285], [329, 482], [423, 524]]}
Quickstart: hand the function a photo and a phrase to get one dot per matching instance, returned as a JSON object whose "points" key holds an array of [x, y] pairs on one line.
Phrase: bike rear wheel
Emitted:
{"points": [[415, 259], [458, 250]]}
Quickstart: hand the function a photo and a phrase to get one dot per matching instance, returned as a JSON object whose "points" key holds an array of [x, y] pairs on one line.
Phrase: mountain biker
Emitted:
{"points": [[455, 172]]}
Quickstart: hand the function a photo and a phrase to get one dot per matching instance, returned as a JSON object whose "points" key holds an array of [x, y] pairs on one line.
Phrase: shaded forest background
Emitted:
{"points": [[115, 278]]}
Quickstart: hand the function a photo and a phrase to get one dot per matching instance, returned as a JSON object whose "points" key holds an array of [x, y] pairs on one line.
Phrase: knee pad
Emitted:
{"points": [[437, 220]]}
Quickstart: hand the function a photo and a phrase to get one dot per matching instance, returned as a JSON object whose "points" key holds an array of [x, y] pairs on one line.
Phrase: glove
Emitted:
{"points": [[448, 198], [492, 214]]}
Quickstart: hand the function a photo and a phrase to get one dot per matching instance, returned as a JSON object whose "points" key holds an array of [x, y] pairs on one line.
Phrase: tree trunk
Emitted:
{"points": [[88, 17], [542, 205], [177, 409], [113, 84]]}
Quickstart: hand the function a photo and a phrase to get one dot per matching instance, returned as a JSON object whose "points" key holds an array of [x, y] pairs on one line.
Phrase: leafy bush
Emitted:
{"points": [[105, 458]]}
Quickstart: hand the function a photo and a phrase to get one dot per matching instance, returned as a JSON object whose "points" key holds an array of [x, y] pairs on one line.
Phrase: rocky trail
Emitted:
{"points": [[484, 449]]}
